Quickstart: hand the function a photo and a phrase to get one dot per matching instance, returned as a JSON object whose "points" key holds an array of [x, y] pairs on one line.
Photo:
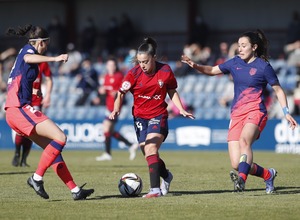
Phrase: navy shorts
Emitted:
{"points": [[143, 127]]}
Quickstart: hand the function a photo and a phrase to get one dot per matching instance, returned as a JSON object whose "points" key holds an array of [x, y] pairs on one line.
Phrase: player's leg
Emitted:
{"points": [[18, 145], [152, 144], [49, 137], [27, 143], [107, 131]]}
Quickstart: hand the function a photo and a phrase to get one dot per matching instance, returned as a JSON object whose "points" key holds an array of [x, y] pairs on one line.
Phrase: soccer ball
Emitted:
{"points": [[130, 185]]}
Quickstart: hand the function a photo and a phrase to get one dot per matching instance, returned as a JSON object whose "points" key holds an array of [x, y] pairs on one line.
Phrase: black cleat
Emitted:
{"points": [[15, 162], [38, 187], [83, 193]]}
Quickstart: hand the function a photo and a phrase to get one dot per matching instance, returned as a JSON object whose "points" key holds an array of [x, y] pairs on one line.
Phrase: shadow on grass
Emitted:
{"points": [[19, 172], [279, 191]]}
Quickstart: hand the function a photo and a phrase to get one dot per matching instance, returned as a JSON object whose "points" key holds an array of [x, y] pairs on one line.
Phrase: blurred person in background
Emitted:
{"points": [[150, 82], [87, 81], [251, 73], [31, 123], [112, 81], [39, 101]]}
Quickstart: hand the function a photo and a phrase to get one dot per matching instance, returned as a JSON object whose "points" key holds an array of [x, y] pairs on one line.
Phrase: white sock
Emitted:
{"points": [[75, 190], [37, 177], [155, 190]]}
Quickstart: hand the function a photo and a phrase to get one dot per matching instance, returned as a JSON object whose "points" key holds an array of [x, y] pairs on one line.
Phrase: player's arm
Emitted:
{"points": [[117, 105], [37, 58], [283, 103], [47, 98], [205, 69], [174, 96]]}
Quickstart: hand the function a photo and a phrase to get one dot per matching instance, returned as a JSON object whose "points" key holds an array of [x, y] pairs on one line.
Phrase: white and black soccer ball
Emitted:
{"points": [[130, 185]]}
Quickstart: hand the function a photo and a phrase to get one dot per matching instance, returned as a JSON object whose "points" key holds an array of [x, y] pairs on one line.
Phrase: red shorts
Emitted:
{"points": [[237, 123], [23, 120]]}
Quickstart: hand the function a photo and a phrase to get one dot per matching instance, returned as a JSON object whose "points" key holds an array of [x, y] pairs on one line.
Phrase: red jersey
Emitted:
{"points": [[44, 69], [112, 84], [149, 91]]}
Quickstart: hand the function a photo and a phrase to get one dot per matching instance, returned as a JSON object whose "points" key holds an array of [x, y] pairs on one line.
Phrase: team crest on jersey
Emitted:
{"points": [[252, 71], [126, 85], [160, 83]]}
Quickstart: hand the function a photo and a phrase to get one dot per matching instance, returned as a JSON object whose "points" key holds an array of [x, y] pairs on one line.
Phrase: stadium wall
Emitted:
{"points": [[184, 134]]}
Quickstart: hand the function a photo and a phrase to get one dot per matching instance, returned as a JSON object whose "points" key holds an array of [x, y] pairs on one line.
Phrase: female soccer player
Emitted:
{"points": [[38, 101], [25, 120], [149, 82], [251, 73], [112, 82]]}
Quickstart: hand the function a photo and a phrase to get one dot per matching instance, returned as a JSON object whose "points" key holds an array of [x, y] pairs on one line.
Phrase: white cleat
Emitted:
{"points": [[104, 157], [165, 184], [132, 151]]}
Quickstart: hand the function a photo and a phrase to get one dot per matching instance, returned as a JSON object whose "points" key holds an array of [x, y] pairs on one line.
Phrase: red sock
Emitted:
{"points": [[260, 171], [48, 156], [61, 169], [153, 164]]}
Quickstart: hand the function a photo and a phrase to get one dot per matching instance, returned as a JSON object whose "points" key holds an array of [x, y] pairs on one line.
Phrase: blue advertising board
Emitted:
{"points": [[184, 134]]}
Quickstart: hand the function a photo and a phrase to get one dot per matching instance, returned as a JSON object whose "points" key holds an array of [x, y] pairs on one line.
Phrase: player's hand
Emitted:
{"points": [[187, 114], [292, 121], [113, 115], [62, 57], [187, 60]]}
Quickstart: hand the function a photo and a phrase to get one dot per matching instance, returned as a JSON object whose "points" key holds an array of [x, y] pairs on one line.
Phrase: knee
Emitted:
{"points": [[62, 137]]}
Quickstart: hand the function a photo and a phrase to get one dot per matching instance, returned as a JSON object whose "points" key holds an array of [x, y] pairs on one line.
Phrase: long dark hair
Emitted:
{"points": [[258, 37], [29, 31]]}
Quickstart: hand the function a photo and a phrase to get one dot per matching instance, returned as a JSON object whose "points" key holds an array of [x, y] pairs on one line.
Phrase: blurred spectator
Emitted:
{"points": [[112, 36], [228, 93], [233, 50], [88, 37], [57, 35], [199, 32], [293, 32], [296, 96], [127, 31], [222, 55], [292, 47], [71, 67], [5, 66], [88, 81]]}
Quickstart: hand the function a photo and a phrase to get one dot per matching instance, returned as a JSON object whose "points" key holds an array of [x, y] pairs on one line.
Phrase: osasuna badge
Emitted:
{"points": [[160, 83]]}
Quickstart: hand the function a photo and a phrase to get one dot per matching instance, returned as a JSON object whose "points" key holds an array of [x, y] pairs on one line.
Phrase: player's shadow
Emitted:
{"points": [[280, 190]]}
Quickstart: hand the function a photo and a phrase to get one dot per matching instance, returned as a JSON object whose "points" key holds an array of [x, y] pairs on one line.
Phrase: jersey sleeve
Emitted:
{"points": [[271, 76], [226, 66], [127, 83]]}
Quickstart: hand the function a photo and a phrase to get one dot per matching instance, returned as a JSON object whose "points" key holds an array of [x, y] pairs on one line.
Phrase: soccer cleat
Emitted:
{"points": [[15, 161], [152, 194], [238, 182], [83, 193], [165, 184], [132, 151], [104, 157], [270, 182], [38, 187]]}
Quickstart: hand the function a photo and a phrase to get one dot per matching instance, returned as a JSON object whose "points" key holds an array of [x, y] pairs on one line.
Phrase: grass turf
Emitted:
{"points": [[201, 188]]}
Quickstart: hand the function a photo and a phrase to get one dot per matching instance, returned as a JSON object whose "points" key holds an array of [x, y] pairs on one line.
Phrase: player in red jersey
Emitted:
{"points": [[251, 72], [38, 101], [31, 123], [112, 82], [150, 82]]}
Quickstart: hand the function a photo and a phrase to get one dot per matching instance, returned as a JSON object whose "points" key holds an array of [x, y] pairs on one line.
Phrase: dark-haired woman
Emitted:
{"points": [[251, 72], [33, 124], [149, 82]]}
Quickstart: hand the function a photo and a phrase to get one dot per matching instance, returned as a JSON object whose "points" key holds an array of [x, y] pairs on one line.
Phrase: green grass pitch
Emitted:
{"points": [[201, 188]]}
